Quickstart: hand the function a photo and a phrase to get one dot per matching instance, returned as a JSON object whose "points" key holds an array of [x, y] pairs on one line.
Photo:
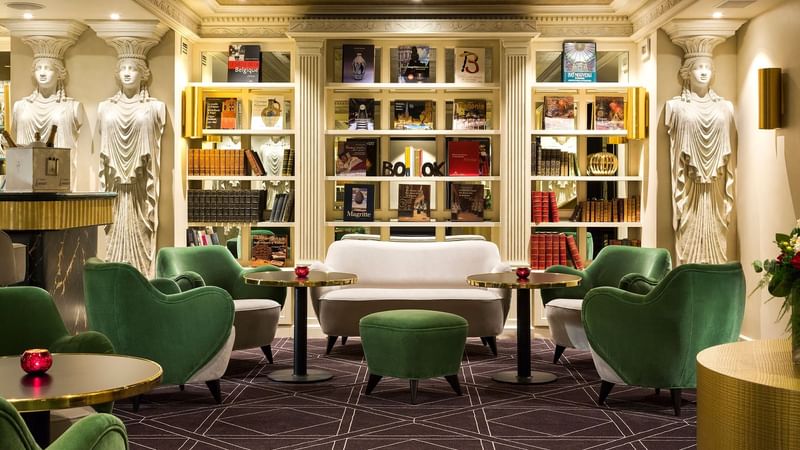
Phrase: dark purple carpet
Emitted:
{"points": [[257, 413]]}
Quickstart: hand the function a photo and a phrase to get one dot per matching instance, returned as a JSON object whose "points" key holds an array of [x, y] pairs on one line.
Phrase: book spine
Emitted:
{"points": [[577, 261], [553, 206]]}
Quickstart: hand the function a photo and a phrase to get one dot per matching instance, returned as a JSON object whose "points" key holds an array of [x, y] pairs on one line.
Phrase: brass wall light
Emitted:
{"points": [[770, 98], [636, 113]]}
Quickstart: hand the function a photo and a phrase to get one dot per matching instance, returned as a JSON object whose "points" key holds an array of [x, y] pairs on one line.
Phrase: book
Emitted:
{"points": [[414, 64], [357, 157], [220, 113], [244, 63], [361, 114], [609, 113], [412, 153], [359, 202], [464, 158], [267, 112], [288, 162], [269, 247], [470, 65], [579, 62], [469, 114], [256, 167], [413, 115], [270, 151], [559, 113], [414, 203], [466, 202], [574, 254], [358, 63]]}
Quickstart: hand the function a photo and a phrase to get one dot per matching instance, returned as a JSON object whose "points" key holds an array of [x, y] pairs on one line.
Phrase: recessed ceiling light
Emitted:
{"points": [[24, 5], [717, 15], [27, 16], [114, 16]]}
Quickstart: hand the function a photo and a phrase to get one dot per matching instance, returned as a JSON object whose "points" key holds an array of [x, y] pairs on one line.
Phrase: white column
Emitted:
{"points": [[515, 170], [310, 151]]}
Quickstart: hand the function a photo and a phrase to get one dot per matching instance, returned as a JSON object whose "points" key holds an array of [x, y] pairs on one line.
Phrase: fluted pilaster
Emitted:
{"points": [[309, 153], [514, 158]]}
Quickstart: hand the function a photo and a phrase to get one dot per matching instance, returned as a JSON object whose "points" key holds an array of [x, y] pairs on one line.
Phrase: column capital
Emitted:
{"points": [[309, 46], [516, 46], [699, 36], [130, 38], [64, 29]]}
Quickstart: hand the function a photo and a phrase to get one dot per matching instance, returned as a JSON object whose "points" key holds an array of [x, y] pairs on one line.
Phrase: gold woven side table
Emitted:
{"points": [[748, 397]]}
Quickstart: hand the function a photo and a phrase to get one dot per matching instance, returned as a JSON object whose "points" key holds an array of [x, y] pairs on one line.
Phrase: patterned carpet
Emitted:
{"points": [[257, 413]]}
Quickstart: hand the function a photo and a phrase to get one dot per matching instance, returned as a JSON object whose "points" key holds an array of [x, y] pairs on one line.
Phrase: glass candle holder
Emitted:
{"points": [[36, 360], [523, 273], [301, 270]]}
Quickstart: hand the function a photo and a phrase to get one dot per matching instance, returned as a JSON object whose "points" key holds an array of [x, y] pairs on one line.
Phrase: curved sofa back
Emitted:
{"points": [[412, 264]]}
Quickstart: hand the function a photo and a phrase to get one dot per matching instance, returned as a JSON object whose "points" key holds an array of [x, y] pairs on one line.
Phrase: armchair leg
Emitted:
{"points": [[658, 391], [213, 386], [182, 387], [136, 402], [483, 341], [676, 400], [267, 349], [492, 342], [331, 343], [605, 389], [558, 352], [344, 340], [413, 385], [453, 380], [372, 382]]}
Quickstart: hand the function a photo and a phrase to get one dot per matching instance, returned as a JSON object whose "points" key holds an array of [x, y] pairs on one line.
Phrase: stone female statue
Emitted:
{"points": [[700, 125], [130, 125], [49, 105]]}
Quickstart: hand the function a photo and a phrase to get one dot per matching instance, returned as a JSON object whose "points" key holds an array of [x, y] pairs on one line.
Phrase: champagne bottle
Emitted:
{"points": [[51, 138], [9, 140]]}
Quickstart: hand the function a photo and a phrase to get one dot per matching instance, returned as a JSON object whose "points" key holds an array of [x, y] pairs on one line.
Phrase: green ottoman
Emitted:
{"points": [[413, 344]]}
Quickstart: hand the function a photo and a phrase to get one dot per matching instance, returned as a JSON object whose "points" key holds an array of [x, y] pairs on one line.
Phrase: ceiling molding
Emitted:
{"points": [[584, 26], [653, 15], [176, 15], [393, 27], [245, 27]]}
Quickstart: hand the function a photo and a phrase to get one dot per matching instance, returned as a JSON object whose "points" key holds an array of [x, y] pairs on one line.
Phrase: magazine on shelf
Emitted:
{"points": [[466, 202], [609, 113], [579, 62], [414, 64], [464, 158], [357, 157], [361, 114], [413, 115], [559, 113], [267, 112], [470, 65], [244, 63], [359, 203], [221, 113], [358, 63], [469, 114], [414, 203]]}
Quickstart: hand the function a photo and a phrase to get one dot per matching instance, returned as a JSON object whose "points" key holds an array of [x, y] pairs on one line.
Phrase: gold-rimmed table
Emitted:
{"points": [[509, 280], [75, 379], [300, 373]]}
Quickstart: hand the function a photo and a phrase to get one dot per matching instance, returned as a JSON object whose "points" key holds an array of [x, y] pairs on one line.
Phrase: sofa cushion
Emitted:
{"points": [[362, 294]]}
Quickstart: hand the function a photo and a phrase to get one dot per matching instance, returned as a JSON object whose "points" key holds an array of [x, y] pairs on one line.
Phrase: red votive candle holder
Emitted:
{"points": [[36, 360], [523, 273], [301, 271]]}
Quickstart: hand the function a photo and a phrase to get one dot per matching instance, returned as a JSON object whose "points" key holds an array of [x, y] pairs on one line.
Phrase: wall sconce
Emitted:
{"points": [[770, 98], [636, 113]]}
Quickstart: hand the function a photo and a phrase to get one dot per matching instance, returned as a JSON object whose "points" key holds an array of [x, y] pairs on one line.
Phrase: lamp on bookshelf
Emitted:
{"points": [[636, 113], [192, 122]]}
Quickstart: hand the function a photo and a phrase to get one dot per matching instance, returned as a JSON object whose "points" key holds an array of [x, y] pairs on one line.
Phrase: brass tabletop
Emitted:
{"points": [[77, 379], [535, 280], [287, 278]]}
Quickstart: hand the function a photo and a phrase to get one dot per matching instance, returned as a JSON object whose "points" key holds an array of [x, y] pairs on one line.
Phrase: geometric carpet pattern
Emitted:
{"points": [[257, 413]]}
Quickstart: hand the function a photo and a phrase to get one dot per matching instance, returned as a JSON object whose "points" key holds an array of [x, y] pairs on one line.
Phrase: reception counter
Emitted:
{"points": [[60, 231]]}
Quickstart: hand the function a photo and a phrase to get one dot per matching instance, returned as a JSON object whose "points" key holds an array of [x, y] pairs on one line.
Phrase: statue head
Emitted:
{"points": [[697, 71], [49, 74], [133, 76]]}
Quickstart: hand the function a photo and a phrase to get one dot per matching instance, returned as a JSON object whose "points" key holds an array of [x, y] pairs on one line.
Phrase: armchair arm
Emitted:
{"points": [[165, 285], [188, 280], [240, 289], [86, 342], [578, 291], [314, 293], [637, 283], [501, 267], [94, 432]]}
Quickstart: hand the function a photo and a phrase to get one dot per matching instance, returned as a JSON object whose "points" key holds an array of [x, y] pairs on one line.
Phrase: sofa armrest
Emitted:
{"points": [[242, 290], [501, 267], [578, 291], [188, 280], [321, 266], [86, 342], [166, 285], [96, 431]]}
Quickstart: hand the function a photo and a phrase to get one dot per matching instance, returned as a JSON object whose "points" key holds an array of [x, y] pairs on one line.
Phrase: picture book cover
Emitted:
{"points": [[244, 63], [220, 113], [266, 112], [358, 63], [559, 113], [466, 202], [470, 65], [413, 115], [579, 62], [469, 114], [359, 202], [464, 158], [361, 114], [357, 157], [414, 203], [609, 113], [414, 64]]}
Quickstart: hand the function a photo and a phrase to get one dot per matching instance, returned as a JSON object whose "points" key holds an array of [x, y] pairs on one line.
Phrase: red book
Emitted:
{"points": [[553, 206], [464, 158], [562, 249], [574, 253]]}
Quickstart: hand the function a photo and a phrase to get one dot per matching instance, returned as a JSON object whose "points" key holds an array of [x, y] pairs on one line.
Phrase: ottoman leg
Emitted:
{"points": [[373, 381], [492, 342], [344, 340], [331, 343], [413, 384], [267, 349], [453, 380]]}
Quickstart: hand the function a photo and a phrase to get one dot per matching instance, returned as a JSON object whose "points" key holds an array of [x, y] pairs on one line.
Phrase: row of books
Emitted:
{"points": [[282, 207], [553, 162], [626, 241], [269, 249], [468, 114], [616, 210], [414, 64], [466, 201], [225, 205], [225, 113], [215, 162], [544, 207], [201, 236], [551, 248], [606, 113]]}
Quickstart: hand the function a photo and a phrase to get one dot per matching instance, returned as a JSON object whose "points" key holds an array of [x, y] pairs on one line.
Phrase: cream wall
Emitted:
{"points": [[90, 64], [769, 182]]}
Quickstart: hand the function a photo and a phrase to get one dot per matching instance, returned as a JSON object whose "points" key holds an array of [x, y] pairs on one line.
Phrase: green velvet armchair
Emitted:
{"points": [[652, 340], [257, 307], [95, 432], [188, 333], [632, 268]]}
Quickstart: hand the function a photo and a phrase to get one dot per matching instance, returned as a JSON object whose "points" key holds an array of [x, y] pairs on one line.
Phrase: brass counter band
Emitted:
{"points": [[55, 214]]}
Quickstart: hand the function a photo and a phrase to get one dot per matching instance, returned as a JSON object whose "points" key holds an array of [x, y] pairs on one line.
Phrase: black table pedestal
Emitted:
{"points": [[38, 423]]}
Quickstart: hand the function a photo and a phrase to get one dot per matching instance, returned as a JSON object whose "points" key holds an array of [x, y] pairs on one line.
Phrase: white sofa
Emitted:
{"points": [[411, 275]]}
